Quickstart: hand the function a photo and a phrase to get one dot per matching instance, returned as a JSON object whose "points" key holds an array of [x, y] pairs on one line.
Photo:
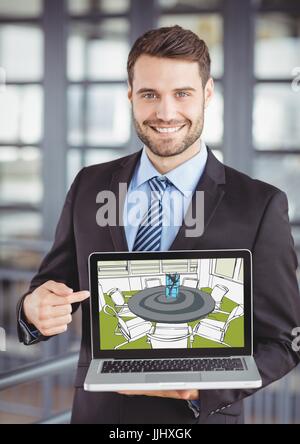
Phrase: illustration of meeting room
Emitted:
{"points": [[177, 303]]}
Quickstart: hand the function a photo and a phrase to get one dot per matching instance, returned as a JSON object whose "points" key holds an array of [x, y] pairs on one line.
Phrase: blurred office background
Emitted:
{"points": [[64, 106]]}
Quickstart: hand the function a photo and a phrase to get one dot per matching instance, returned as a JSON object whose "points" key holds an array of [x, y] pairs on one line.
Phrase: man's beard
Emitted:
{"points": [[168, 147]]}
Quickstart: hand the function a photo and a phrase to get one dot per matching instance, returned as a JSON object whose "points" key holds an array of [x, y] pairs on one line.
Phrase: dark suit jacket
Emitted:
{"points": [[239, 213]]}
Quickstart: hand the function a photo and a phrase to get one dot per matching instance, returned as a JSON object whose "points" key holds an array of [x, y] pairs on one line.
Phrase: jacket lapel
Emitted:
{"points": [[211, 184], [122, 175]]}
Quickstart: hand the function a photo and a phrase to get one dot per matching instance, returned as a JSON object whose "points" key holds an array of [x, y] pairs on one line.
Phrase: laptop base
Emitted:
{"points": [[107, 382]]}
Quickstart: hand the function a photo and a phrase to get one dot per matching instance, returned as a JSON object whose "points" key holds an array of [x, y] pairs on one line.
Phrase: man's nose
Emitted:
{"points": [[166, 109]]}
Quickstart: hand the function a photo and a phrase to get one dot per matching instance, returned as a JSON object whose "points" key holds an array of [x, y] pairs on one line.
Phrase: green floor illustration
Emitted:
{"points": [[222, 327]]}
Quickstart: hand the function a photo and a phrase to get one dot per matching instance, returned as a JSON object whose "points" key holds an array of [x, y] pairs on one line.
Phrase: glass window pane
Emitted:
{"points": [[170, 4], [20, 225], [114, 52], [276, 117], [105, 112], [225, 267], [78, 6], [115, 7], [11, 257], [78, 158], [74, 164], [105, 6], [213, 120], [20, 175], [108, 115], [276, 3], [17, 8], [277, 49], [283, 172], [208, 27], [101, 155], [98, 52], [75, 116], [296, 235], [21, 114], [21, 52]]}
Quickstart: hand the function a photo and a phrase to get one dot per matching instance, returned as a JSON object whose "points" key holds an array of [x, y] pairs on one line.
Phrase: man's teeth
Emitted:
{"points": [[168, 130]]}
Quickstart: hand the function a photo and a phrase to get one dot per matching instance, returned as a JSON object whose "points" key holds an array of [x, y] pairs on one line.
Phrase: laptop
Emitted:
{"points": [[171, 320]]}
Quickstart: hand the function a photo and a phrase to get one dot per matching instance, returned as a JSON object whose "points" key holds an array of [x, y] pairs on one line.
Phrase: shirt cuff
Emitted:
{"points": [[195, 407], [29, 332]]}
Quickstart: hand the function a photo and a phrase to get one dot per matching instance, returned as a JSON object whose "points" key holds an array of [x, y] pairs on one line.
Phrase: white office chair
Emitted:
{"points": [[218, 293], [119, 303], [170, 336], [190, 282], [131, 330], [152, 282], [216, 330]]}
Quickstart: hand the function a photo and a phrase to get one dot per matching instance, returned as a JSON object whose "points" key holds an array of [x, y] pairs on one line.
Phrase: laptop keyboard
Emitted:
{"points": [[172, 365]]}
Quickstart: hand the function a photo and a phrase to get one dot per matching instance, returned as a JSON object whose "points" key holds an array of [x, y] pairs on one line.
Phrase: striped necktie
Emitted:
{"points": [[148, 236]]}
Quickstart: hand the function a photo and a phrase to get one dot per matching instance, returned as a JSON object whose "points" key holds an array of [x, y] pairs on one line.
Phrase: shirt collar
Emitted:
{"points": [[191, 170]]}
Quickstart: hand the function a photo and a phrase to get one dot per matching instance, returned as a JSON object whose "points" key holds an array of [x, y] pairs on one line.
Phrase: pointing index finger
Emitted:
{"points": [[78, 296], [54, 299]]}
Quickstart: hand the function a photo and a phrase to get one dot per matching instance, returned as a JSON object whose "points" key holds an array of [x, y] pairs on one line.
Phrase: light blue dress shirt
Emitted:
{"points": [[175, 201]]}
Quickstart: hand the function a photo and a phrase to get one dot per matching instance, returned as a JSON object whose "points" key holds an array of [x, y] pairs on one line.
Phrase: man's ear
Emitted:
{"points": [[129, 92], [208, 92]]}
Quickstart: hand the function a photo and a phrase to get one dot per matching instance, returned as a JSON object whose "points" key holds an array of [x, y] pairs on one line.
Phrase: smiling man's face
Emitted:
{"points": [[168, 103]]}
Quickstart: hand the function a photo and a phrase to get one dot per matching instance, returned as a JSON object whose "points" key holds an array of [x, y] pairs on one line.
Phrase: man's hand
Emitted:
{"points": [[49, 308], [187, 395]]}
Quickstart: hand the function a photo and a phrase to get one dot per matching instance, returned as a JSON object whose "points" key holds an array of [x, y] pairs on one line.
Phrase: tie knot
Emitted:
{"points": [[158, 185]]}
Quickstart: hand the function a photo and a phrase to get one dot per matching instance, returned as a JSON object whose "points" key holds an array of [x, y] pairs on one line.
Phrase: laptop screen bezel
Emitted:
{"points": [[171, 353]]}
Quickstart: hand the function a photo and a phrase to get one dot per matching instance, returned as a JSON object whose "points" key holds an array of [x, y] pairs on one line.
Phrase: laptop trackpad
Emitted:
{"points": [[192, 377]]}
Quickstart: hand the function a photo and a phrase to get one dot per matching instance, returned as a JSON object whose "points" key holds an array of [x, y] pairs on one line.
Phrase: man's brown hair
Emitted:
{"points": [[171, 42]]}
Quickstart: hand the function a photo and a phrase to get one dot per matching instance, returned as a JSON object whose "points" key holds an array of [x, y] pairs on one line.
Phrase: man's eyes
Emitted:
{"points": [[155, 96], [182, 94], [149, 96]]}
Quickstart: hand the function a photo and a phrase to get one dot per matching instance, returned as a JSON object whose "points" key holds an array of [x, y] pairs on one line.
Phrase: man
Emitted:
{"points": [[169, 88]]}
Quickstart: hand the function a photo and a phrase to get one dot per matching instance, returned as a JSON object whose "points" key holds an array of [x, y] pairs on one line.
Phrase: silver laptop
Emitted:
{"points": [[171, 320]]}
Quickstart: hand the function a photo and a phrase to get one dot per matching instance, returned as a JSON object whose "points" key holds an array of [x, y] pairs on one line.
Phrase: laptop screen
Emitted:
{"points": [[153, 302]]}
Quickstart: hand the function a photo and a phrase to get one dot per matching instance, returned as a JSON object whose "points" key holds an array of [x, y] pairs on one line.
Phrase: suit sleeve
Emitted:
{"points": [[276, 304], [59, 265]]}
